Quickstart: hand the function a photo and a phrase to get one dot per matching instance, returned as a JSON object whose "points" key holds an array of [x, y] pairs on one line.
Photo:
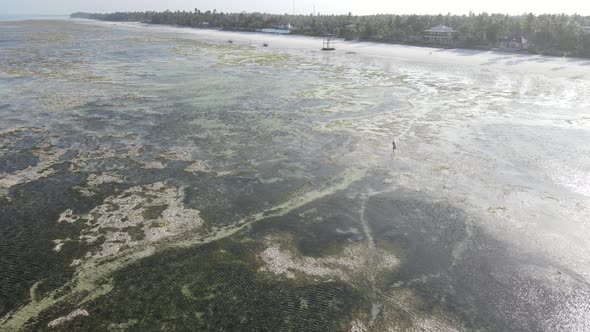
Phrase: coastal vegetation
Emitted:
{"points": [[551, 34]]}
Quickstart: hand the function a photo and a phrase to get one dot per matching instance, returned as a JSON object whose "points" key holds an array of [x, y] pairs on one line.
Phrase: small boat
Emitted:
{"points": [[230, 41], [265, 44]]}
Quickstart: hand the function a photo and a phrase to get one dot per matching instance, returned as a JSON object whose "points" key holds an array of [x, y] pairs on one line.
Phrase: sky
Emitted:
{"points": [[301, 6]]}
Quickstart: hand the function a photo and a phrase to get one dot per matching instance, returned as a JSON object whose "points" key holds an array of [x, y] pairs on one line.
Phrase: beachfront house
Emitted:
{"points": [[440, 34], [278, 28], [283, 26], [512, 43]]}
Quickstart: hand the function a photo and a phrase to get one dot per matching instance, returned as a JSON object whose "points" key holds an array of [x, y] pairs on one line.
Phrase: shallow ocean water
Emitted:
{"points": [[160, 178]]}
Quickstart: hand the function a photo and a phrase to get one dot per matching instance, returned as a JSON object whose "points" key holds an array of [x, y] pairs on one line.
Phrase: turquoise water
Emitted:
{"points": [[155, 180]]}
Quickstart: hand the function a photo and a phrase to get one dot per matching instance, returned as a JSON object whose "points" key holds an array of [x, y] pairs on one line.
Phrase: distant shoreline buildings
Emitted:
{"points": [[558, 35], [441, 34], [282, 29]]}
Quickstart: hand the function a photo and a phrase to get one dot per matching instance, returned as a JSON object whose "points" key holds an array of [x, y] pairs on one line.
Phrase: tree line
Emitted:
{"points": [[552, 34]]}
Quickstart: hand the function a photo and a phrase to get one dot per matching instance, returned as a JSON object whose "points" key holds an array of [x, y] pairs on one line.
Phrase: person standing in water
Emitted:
{"points": [[393, 146]]}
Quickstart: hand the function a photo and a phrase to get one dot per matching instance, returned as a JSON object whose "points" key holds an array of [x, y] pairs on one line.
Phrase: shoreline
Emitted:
{"points": [[392, 42], [339, 41], [570, 68]]}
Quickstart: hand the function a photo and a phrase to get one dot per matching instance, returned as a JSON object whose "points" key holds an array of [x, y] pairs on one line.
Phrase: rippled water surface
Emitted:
{"points": [[158, 178]]}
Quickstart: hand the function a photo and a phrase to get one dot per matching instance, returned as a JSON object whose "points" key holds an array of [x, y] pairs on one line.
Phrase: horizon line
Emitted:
{"points": [[301, 14]]}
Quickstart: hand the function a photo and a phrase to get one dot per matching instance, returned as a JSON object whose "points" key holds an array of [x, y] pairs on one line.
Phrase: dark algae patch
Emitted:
{"points": [[216, 287], [17, 161], [154, 212], [28, 224], [320, 228], [136, 233]]}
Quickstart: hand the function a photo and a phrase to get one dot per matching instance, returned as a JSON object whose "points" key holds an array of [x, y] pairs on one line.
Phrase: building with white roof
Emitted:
{"points": [[440, 34]]}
